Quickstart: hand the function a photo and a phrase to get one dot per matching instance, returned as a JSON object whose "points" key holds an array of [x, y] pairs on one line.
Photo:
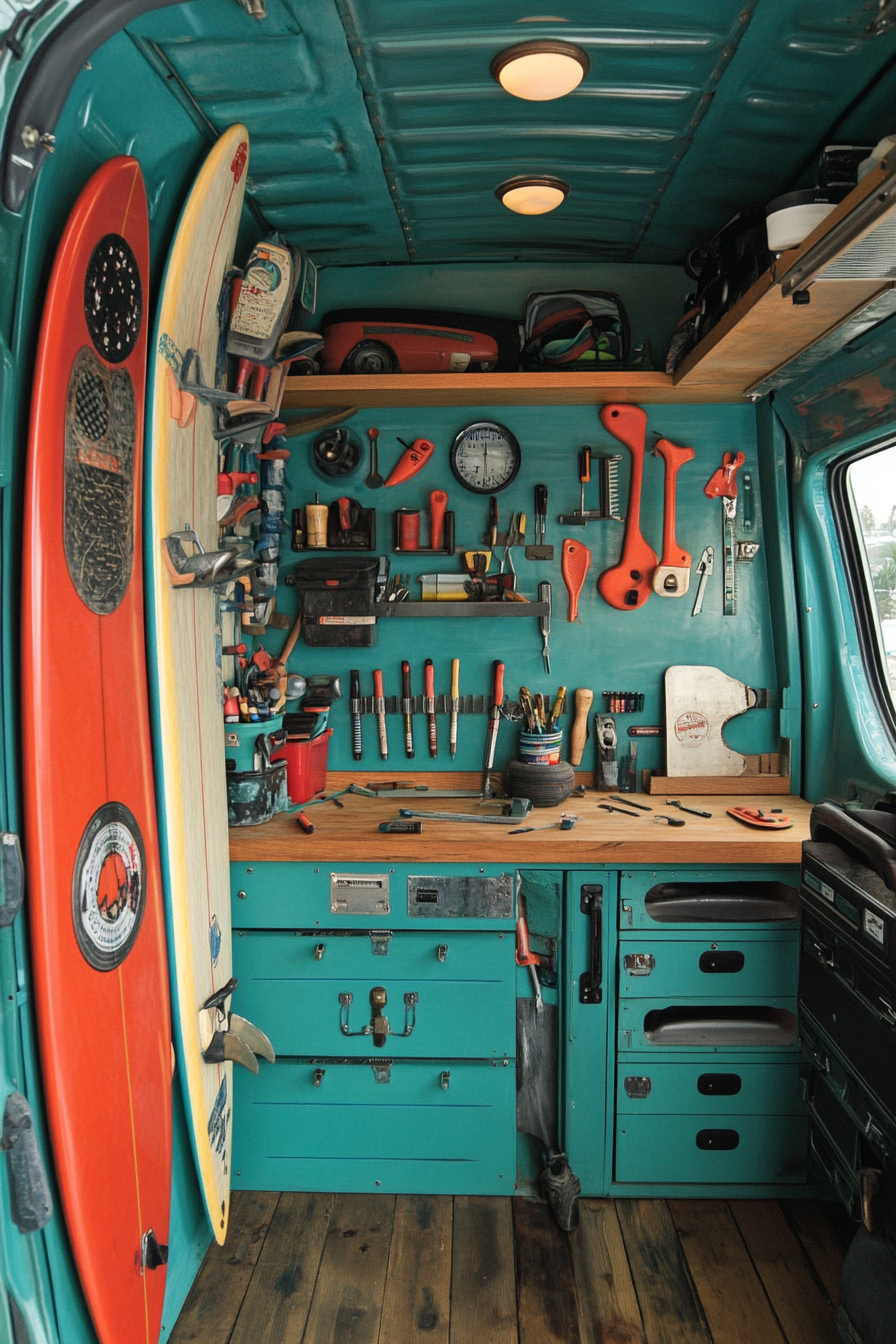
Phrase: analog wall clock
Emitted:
{"points": [[485, 457]]}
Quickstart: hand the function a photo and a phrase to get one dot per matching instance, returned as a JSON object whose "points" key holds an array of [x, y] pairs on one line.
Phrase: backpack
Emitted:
{"points": [[574, 329]]}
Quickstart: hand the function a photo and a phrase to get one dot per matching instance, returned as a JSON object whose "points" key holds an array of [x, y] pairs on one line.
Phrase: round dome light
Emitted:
{"points": [[532, 195], [541, 70]]}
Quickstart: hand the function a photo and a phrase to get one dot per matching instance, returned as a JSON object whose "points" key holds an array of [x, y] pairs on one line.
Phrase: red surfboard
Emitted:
{"points": [[95, 897]]}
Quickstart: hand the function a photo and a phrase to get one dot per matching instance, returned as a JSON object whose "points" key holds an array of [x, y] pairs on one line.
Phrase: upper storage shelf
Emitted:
{"points": [[843, 276]]}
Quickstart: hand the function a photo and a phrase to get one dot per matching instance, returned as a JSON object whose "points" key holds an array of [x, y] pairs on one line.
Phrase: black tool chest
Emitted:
{"points": [[848, 1004]]}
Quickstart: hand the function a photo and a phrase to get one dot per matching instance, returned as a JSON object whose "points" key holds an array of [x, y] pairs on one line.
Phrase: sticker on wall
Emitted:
{"points": [[214, 939], [109, 886]]}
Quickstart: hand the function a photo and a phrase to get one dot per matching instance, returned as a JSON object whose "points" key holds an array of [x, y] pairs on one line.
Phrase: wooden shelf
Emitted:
{"points": [[491, 389]]}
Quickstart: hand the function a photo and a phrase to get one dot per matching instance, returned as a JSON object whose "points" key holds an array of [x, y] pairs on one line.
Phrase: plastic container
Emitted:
{"points": [[792, 217], [255, 796], [240, 739], [541, 748], [306, 766]]}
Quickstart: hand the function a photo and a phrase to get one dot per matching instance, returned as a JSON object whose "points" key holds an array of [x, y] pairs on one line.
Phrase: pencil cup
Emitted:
{"points": [[541, 748]]}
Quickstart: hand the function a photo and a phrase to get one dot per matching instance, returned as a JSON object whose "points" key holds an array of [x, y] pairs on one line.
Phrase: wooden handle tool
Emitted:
{"points": [[455, 693], [627, 585], [579, 732], [574, 567]]}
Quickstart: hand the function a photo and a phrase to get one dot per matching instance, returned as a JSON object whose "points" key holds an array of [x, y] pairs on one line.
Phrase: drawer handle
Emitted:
{"points": [[319, 952], [445, 1080], [717, 1140], [721, 963], [639, 963], [318, 1077], [442, 951], [591, 902], [719, 1084], [378, 1027]]}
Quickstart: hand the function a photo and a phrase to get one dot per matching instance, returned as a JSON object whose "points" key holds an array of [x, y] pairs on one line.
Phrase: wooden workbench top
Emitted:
{"points": [[350, 834]]}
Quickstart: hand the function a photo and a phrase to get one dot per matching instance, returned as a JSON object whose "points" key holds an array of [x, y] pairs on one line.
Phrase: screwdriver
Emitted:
{"points": [[379, 707], [455, 693], [544, 623], [429, 707], [541, 513], [407, 709], [355, 711]]}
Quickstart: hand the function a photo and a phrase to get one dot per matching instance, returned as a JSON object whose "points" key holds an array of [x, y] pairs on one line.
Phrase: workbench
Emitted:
{"points": [[668, 963]]}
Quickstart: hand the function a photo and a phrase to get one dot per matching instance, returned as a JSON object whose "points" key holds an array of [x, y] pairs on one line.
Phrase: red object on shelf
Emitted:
{"points": [[306, 766], [406, 347]]}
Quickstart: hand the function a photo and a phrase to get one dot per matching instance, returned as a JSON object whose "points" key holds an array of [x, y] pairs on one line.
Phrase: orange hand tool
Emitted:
{"points": [[574, 567], [627, 585], [673, 574]]}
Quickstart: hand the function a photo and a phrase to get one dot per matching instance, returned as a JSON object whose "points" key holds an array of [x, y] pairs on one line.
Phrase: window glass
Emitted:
{"points": [[872, 484]]}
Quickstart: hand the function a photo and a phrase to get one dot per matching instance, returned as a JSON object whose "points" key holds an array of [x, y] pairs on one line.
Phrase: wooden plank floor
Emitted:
{"points": [[417, 1269]]}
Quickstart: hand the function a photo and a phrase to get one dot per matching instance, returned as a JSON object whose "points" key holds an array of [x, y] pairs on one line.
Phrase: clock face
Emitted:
{"points": [[485, 457]]}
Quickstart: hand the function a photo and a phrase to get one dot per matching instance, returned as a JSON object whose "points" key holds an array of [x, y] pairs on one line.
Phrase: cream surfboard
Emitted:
{"points": [[189, 737]]}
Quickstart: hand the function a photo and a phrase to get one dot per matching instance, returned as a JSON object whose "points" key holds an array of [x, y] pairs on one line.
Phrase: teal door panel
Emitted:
{"points": [[465, 983], [713, 968], [719, 1086], [302, 895], [711, 1149], [669, 898], [430, 1127], [718, 1024]]}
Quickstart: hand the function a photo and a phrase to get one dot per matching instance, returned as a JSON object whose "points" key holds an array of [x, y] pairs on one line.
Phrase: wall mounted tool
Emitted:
{"points": [[699, 702], [606, 766], [407, 710], [413, 459], [722, 485], [374, 480], [336, 452], [608, 464], [578, 733], [494, 721], [455, 695], [627, 585], [429, 707], [544, 623], [704, 569], [380, 711], [574, 567], [673, 574], [354, 706], [539, 551]]}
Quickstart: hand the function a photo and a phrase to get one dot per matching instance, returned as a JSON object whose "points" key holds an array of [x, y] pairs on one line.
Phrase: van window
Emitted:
{"points": [[872, 489]]}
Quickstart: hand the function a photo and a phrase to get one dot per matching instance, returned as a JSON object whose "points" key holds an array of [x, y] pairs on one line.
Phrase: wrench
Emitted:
{"points": [[695, 812]]}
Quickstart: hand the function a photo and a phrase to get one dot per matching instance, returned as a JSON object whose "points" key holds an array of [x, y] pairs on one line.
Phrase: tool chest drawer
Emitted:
{"points": [[722, 1024], [446, 994], [355, 895], [444, 1126], [865, 1112], [712, 1149], [743, 964], [716, 1086], [733, 897]]}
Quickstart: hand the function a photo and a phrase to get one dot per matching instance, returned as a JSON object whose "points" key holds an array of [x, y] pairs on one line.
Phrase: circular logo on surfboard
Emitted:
{"points": [[109, 886], [113, 298]]}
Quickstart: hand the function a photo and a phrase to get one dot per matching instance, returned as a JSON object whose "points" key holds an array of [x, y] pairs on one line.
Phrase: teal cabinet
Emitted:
{"points": [[716, 1087], [711, 1150]]}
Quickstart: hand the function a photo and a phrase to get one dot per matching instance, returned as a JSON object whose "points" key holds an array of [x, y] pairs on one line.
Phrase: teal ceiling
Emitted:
{"points": [[378, 134]]}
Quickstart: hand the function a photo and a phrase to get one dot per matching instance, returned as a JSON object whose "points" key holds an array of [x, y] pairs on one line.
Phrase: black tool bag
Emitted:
{"points": [[575, 329], [338, 609]]}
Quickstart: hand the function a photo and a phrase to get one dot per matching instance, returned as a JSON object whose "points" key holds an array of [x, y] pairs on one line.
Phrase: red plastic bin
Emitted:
{"points": [[306, 766]]}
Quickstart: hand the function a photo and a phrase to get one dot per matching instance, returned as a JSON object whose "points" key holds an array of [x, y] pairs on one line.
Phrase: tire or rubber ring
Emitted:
{"points": [[543, 785], [370, 357]]}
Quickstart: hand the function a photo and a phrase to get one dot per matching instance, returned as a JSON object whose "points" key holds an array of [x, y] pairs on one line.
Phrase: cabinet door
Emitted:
{"points": [[294, 987]]}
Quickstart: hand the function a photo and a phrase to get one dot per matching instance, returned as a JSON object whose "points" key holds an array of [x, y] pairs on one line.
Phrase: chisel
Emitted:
{"points": [[379, 707], [544, 623], [407, 709], [429, 707], [455, 693], [493, 725], [354, 705]]}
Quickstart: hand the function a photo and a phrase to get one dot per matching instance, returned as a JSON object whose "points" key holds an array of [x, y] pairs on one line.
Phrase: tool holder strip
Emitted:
{"points": [[439, 704]]}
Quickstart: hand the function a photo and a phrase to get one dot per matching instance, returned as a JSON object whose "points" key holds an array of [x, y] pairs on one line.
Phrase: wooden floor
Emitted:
{"points": [[414, 1269]]}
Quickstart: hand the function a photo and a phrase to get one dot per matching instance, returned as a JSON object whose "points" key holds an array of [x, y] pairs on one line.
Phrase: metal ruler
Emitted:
{"points": [[729, 520]]}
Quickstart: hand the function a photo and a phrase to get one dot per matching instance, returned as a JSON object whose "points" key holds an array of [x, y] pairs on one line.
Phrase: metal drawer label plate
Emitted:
{"points": [[359, 894], [461, 897]]}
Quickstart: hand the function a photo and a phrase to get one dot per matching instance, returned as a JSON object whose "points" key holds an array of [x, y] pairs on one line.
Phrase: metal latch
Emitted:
{"points": [[382, 1070], [639, 963], [445, 1080], [627, 910], [318, 1077], [637, 1088], [378, 1027], [379, 942]]}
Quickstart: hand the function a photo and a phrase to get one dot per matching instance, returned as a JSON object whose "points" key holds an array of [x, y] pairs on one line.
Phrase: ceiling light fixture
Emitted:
{"points": [[532, 195], [540, 70]]}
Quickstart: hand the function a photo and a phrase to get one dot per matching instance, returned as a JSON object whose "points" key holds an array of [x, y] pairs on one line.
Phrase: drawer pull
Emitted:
{"points": [[378, 1027], [442, 951], [721, 963], [718, 1140], [719, 1084], [445, 1080], [639, 963], [319, 952], [626, 909], [815, 1054], [591, 900], [318, 1077], [637, 1088]]}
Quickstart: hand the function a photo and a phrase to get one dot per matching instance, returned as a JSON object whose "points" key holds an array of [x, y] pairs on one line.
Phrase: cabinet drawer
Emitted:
{"points": [[714, 967], [719, 1087], [411, 1134], [702, 1024], [290, 987], [711, 1149], [681, 898]]}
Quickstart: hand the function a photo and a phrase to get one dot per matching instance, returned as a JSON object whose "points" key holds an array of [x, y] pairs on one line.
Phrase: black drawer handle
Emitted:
{"points": [[720, 1140], [721, 963], [719, 1084]]}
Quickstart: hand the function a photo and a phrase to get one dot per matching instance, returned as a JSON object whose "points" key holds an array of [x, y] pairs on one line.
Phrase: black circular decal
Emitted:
{"points": [[113, 298], [109, 886], [98, 524]]}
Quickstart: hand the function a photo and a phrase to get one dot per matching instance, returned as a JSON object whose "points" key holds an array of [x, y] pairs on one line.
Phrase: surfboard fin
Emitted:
{"points": [[225, 1045], [250, 1035]]}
